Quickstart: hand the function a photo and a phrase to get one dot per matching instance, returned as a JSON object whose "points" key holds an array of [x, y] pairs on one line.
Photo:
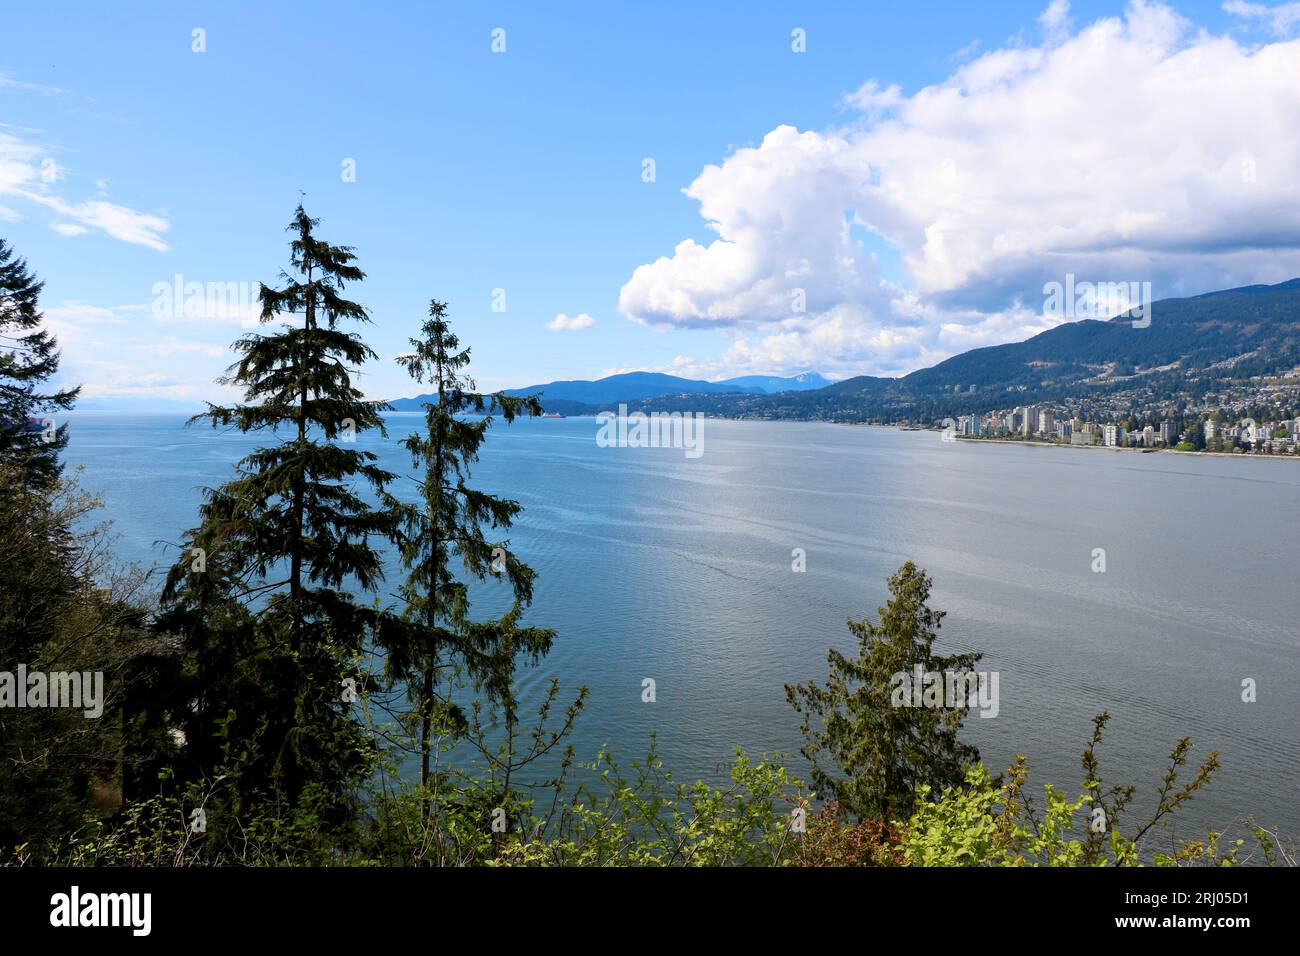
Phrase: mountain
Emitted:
{"points": [[1259, 322], [1192, 347], [771, 383], [619, 388], [565, 396], [1190, 343]]}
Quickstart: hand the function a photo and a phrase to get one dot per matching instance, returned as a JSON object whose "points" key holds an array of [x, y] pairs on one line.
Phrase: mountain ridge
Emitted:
{"points": [[636, 386], [1191, 346]]}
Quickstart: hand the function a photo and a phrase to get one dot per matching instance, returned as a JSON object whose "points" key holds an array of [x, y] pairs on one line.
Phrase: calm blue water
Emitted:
{"points": [[653, 565]]}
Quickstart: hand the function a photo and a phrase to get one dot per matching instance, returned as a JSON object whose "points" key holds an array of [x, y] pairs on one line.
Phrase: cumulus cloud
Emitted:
{"points": [[1132, 148], [566, 323], [784, 215]]}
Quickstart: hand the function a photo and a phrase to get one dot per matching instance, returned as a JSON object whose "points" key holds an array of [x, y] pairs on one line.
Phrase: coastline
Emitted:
{"points": [[1152, 451], [1019, 442]]}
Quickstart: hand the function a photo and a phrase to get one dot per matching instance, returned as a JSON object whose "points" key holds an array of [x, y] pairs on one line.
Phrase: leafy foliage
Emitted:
{"points": [[884, 754], [66, 607], [988, 822], [29, 357]]}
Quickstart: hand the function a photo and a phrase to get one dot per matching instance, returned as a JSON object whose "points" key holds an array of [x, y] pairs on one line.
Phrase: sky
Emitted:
{"points": [[706, 189]]}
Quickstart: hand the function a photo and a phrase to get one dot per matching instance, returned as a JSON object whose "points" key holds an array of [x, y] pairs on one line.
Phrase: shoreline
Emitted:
{"points": [[1152, 451]]}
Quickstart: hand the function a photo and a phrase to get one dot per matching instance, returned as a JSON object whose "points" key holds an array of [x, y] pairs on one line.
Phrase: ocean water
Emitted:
{"points": [[655, 565]]}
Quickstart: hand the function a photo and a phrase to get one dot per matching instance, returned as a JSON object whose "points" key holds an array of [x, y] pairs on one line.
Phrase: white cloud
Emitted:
{"points": [[19, 163], [85, 314], [117, 351], [1134, 148], [1056, 16], [6, 81], [28, 174], [140, 228], [565, 323], [171, 345], [782, 212], [871, 99], [1282, 20], [119, 380]]}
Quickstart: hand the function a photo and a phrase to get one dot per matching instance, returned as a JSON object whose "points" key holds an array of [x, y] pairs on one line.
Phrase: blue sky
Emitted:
{"points": [[919, 214]]}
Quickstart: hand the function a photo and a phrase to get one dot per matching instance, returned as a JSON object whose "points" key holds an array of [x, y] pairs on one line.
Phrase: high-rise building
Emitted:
{"points": [[1167, 433], [1028, 420]]}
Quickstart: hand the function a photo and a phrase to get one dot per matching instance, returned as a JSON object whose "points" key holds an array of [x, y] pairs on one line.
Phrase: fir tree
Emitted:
{"points": [[262, 586], [885, 752], [449, 526], [29, 357]]}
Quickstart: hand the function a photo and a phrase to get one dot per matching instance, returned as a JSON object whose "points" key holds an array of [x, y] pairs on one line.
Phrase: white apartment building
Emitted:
{"points": [[1028, 419]]}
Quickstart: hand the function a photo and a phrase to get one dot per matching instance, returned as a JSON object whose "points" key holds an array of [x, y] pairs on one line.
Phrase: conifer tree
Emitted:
{"points": [[29, 357], [449, 526], [262, 588], [852, 725]]}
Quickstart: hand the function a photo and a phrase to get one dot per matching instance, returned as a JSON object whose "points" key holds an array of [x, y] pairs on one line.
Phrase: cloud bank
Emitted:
{"points": [[1132, 148]]}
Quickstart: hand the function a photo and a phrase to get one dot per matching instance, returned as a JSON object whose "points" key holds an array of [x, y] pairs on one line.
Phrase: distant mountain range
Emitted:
{"points": [[1192, 346], [570, 396]]}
